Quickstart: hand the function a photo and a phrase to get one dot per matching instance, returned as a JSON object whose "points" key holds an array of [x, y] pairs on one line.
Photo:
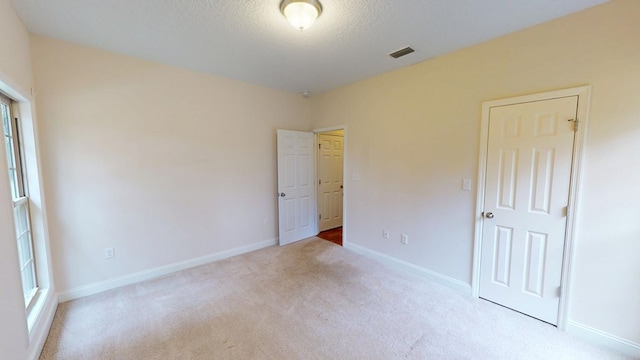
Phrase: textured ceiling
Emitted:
{"points": [[249, 40]]}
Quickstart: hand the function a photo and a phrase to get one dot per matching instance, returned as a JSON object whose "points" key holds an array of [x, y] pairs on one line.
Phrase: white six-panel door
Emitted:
{"points": [[296, 190], [528, 175], [330, 165]]}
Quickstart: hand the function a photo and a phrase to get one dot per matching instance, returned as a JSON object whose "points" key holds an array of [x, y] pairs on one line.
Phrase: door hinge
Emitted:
{"points": [[575, 124], [566, 211], [319, 216], [319, 146], [319, 182]]}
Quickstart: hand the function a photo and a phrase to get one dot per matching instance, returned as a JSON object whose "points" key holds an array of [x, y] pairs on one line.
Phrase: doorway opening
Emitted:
{"points": [[330, 181]]}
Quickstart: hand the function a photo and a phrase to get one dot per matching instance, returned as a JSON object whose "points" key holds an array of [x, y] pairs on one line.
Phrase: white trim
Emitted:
{"points": [[584, 95], [12, 89], [42, 323], [579, 154], [604, 339], [101, 286], [452, 283], [330, 128]]}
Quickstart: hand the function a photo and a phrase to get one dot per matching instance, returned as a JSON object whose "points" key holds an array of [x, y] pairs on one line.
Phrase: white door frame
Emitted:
{"points": [[584, 94], [344, 172]]}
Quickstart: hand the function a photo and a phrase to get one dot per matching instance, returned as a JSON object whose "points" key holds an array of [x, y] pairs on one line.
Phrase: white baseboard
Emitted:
{"points": [[411, 268], [101, 286], [41, 326], [604, 339]]}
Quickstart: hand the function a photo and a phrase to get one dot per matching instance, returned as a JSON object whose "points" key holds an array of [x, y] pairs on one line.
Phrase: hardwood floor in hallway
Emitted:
{"points": [[333, 235]]}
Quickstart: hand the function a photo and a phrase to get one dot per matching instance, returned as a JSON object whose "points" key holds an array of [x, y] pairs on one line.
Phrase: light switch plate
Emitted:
{"points": [[466, 184]]}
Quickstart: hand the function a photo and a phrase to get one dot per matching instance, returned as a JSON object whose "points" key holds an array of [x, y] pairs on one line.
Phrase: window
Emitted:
{"points": [[19, 191]]}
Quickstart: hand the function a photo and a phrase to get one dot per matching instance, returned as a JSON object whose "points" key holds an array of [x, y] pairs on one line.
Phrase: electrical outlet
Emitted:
{"points": [[404, 238], [109, 253], [385, 234]]}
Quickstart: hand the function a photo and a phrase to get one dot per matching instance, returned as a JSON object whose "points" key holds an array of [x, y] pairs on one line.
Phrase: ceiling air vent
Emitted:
{"points": [[401, 52]]}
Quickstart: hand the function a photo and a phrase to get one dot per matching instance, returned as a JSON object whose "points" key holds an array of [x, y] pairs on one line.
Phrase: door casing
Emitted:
{"points": [[583, 93]]}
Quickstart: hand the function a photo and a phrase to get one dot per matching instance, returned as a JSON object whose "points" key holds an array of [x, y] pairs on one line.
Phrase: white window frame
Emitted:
{"points": [[21, 212]]}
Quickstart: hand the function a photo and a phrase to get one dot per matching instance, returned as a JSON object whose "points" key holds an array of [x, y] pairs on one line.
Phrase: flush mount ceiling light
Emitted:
{"points": [[301, 13]]}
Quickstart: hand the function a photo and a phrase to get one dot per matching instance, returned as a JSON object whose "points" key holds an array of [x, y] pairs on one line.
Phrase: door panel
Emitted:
{"points": [[502, 255], [296, 192], [330, 176], [529, 154], [535, 255]]}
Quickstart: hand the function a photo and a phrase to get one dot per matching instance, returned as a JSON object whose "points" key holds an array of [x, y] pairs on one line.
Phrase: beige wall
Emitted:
{"points": [[15, 62], [16, 79], [413, 135], [165, 165]]}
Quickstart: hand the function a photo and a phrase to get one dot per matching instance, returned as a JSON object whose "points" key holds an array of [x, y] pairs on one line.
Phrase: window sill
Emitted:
{"points": [[35, 308]]}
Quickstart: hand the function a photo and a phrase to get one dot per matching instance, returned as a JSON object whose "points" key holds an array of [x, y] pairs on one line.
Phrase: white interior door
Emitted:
{"points": [[296, 191], [528, 173], [330, 165]]}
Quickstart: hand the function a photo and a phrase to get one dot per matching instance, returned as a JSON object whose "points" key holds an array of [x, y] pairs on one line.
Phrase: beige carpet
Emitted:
{"points": [[308, 300]]}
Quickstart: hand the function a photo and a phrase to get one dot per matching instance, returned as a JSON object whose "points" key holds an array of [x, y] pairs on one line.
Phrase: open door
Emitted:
{"points": [[330, 180], [297, 217]]}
